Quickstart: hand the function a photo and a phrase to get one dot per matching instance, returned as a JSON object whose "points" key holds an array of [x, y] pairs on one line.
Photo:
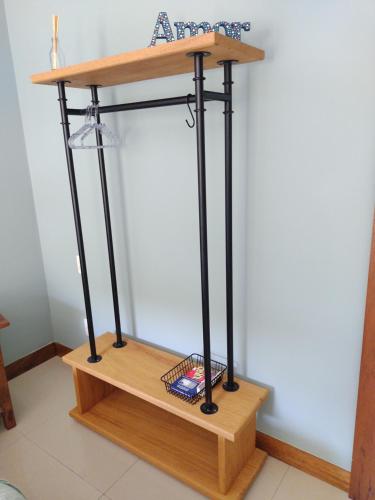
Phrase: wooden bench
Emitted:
{"points": [[123, 399]]}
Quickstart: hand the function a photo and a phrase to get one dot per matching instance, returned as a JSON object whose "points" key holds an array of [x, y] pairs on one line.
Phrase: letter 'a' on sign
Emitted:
{"points": [[162, 22]]}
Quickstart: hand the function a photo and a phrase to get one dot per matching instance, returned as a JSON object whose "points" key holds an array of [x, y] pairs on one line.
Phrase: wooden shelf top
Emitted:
{"points": [[137, 369], [166, 59]]}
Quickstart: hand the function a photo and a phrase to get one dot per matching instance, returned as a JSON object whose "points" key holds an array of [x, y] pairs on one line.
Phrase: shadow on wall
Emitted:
{"points": [[117, 195], [65, 320], [120, 213]]}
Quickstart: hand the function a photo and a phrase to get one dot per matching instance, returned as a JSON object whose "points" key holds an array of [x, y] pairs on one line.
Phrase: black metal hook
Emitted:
{"points": [[191, 113]]}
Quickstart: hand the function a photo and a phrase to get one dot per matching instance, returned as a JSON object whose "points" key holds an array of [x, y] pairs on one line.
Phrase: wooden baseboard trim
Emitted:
{"points": [[35, 358], [304, 461], [287, 453], [31, 360], [61, 349]]}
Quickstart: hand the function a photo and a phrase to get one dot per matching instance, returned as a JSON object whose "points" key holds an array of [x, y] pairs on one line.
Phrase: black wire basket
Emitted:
{"points": [[194, 360]]}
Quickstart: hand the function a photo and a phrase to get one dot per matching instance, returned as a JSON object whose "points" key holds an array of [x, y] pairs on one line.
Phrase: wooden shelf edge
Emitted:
{"points": [[166, 59]]}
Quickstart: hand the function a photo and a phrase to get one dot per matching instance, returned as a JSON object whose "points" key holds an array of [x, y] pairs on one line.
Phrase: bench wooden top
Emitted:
{"points": [[137, 369], [165, 59]]}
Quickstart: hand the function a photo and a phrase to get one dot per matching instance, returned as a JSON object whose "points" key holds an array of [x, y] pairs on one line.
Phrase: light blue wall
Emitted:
{"points": [[23, 292], [304, 126]]}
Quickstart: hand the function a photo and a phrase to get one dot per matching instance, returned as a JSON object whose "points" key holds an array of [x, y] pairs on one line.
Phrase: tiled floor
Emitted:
{"points": [[51, 457]]}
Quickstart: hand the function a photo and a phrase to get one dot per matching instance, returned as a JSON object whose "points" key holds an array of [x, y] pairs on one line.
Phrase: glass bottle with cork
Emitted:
{"points": [[56, 55]]}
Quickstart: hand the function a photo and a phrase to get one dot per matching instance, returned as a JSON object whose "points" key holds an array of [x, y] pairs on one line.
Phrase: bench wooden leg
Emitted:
{"points": [[6, 408], [8, 417], [232, 456]]}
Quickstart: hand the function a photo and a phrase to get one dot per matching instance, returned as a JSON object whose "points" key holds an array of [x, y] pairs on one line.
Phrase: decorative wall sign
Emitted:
{"points": [[162, 21], [231, 29]]}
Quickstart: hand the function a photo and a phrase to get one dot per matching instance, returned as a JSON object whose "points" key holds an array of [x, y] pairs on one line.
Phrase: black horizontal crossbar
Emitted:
{"points": [[155, 103]]}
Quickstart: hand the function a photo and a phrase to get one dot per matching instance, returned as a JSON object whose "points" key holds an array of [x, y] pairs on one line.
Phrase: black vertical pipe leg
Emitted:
{"points": [[208, 407], [108, 226], [230, 385], [94, 358]]}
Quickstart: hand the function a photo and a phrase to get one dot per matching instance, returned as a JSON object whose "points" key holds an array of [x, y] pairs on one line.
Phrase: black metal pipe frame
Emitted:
{"points": [[154, 103], [208, 406], [230, 385], [108, 226], [94, 358]]}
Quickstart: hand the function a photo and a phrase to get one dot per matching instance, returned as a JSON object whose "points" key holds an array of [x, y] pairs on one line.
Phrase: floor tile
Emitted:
{"points": [[8, 437], [268, 480], [297, 485], [41, 393], [49, 456], [41, 477], [146, 482], [96, 459], [42, 376]]}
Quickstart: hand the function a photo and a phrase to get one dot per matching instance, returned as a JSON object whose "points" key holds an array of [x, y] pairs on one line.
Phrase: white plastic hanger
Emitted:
{"points": [[77, 140]]}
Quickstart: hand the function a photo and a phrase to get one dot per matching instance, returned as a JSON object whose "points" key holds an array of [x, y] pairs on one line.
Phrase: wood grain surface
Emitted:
{"points": [[137, 369], [165, 59], [362, 485]]}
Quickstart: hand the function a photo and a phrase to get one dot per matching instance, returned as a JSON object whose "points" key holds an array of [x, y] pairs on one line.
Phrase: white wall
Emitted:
{"points": [[303, 190], [23, 292]]}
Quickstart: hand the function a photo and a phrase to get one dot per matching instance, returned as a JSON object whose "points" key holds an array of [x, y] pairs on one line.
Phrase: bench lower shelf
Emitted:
{"points": [[199, 451]]}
